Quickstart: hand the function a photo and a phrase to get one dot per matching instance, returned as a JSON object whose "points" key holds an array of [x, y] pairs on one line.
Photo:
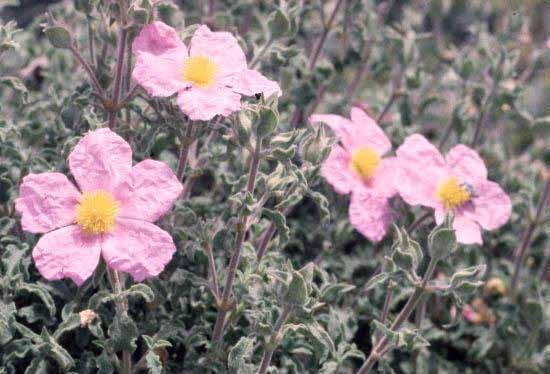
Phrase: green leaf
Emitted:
{"points": [[321, 340], [441, 242], [123, 333], [99, 298], [297, 293], [59, 37], [55, 351], [37, 366], [333, 292], [154, 364], [278, 24], [280, 222], [533, 313], [267, 122], [240, 354], [103, 364], [141, 290], [17, 85], [71, 323], [41, 292]]}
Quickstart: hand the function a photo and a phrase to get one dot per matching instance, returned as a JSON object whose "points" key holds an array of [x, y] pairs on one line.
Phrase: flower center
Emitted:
{"points": [[96, 212], [452, 194], [200, 70], [364, 162]]}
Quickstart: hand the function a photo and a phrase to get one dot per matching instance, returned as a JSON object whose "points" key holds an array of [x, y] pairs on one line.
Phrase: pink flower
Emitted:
{"points": [[111, 213], [209, 78], [356, 166], [457, 183]]}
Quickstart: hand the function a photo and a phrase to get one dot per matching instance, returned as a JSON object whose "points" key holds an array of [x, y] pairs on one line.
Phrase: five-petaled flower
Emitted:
{"points": [[110, 215], [457, 184], [209, 78], [357, 166]]}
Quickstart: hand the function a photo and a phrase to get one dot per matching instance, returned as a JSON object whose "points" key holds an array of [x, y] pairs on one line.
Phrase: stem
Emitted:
{"points": [[184, 151], [260, 54], [387, 107], [212, 270], [409, 307], [268, 353], [91, 42], [385, 309], [89, 71], [270, 231], [122, 309], [360, 73], [484, 107], [319, 45], [446, 135], [117, 87], [314, 56], [217, 335], [522, 251]]}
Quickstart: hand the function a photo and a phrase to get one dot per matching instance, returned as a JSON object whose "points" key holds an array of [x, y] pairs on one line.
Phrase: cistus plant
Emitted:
{"points": [[341, 186]]}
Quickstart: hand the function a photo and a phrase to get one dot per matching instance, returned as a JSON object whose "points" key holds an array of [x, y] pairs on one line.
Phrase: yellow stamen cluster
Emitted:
{"points": [[96, 212], [364, 162], [452, 194], [200, 70]]}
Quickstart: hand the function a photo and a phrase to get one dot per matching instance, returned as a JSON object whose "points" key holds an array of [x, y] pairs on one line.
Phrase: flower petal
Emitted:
{"points": [[205, 103], [250, 82], [336, 171], [156, 38], [466, 164], [492, 206], [46, 201], [100, 160], [369, 214], [138, 247], [67, 253], [148, 192], [386, 178], [422, 166], [160, 57], [161, 75], [368, 132], [222, 48], [467, 231]]}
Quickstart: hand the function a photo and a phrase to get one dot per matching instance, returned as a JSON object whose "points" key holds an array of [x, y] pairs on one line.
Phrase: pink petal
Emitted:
{"points": [[386, 178], [161, 75], [46, 201], [138, 247], [370, 215], [205, 103], [467, 231], [337, 172], [250, 82], [466, 164], [222, 48], [368, 132], [148, 192], [160, 56], [67, 253], [100, 160], [422, 167], [492, 206], [156, 38]]}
